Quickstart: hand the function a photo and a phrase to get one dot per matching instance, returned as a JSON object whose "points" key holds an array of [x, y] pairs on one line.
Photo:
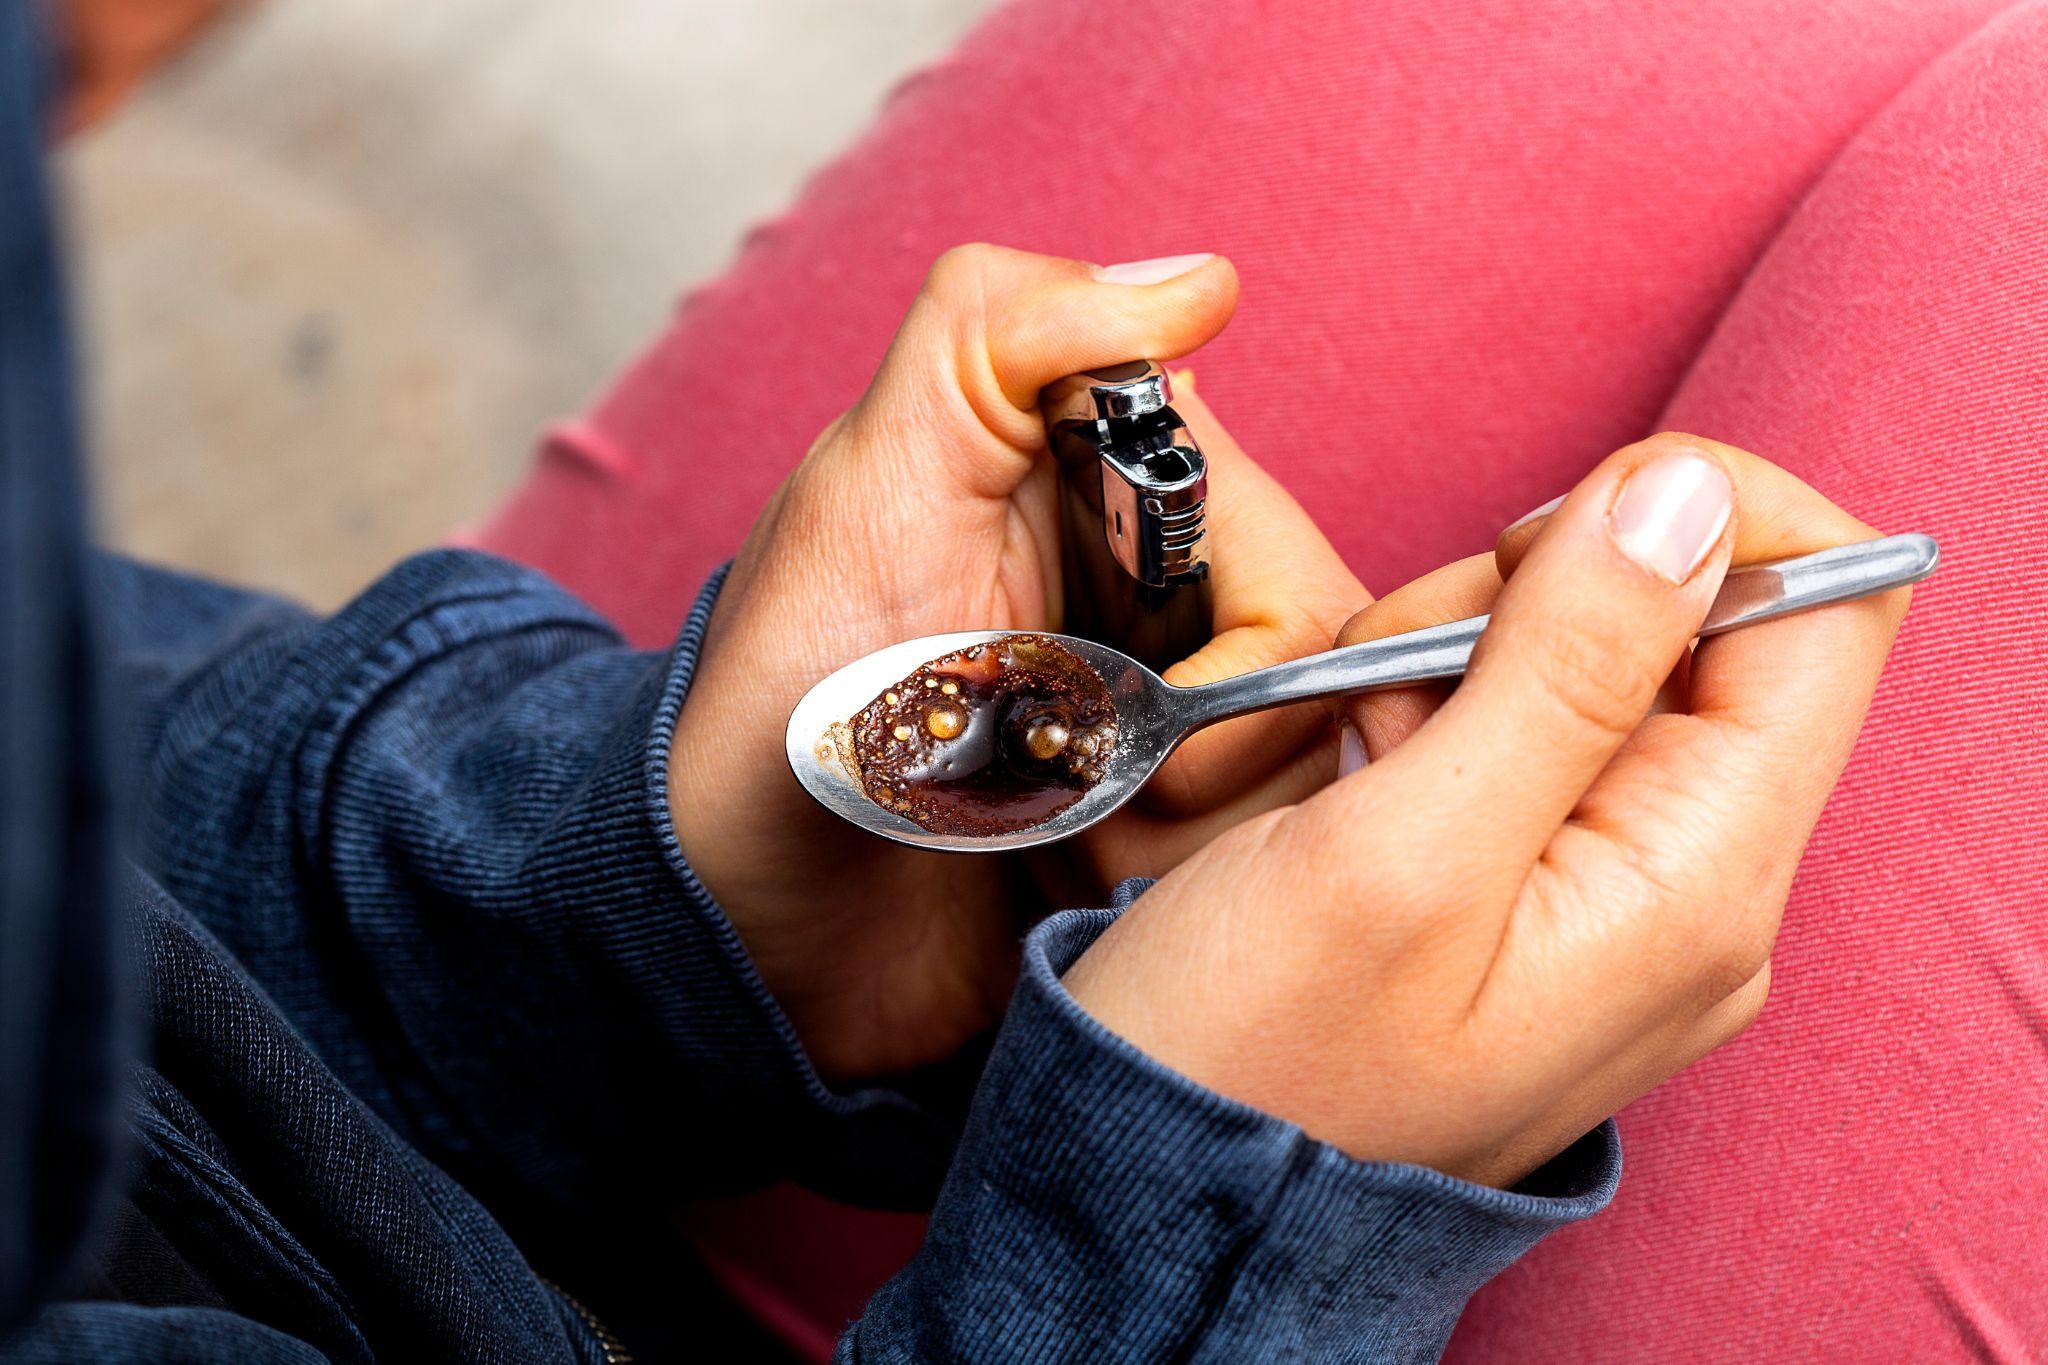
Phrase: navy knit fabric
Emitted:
{"points": [[1102, 1207], [438, 1007]]}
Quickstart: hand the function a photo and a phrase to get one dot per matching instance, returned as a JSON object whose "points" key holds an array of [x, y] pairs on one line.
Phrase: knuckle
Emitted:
{"points": [[1726, 944], [1285, 632], [1359, 628], [1729, 967], [1462, 588], [1588, 668], [960, 270], [1393, 615], [1717, 939], [1305, 627], [1747, 1004]]}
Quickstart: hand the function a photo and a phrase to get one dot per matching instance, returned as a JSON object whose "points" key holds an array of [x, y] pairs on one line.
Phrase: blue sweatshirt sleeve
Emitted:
{"points": [[1103, 1207], [435, 828]]}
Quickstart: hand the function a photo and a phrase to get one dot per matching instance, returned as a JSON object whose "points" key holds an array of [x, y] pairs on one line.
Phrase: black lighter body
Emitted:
{"points": [[1134, 555]]}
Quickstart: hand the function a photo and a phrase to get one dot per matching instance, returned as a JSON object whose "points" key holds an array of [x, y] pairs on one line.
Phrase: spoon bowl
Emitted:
{"points": [[1143, 711], [1153, 716]]}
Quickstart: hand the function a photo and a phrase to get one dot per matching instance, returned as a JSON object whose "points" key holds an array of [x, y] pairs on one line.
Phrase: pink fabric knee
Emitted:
{"points": [[1866, 1171], [1482, 244]]}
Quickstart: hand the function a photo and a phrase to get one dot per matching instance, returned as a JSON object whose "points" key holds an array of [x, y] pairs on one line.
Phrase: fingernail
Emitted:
{"points": [[1545, 510], [1350, 749], [1158, 270], [1671, 512]]}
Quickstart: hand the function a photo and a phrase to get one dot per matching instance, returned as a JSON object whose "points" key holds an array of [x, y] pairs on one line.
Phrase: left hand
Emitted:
{"points": [[930, 506]]}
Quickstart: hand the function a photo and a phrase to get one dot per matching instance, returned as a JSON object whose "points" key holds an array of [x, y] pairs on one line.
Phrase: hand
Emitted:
{"points": [[929, 507], [1540, 898]]}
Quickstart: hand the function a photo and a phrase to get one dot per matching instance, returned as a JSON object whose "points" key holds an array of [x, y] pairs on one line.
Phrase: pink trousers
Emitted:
{"points": [[1483, 242]]}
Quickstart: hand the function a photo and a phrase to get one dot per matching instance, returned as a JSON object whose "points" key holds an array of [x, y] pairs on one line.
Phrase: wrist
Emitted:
{"points": [[1255, 1032]]}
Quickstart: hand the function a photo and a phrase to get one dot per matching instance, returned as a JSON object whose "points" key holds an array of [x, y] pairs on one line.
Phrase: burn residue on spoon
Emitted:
{"points": [[986, 740]]}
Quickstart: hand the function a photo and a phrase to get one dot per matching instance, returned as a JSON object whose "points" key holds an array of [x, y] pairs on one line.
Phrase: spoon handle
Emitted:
{"points": [[1759, 592]]}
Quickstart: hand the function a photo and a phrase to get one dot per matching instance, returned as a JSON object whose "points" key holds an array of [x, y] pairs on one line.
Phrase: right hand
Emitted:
{"points": [[1557, 890]]}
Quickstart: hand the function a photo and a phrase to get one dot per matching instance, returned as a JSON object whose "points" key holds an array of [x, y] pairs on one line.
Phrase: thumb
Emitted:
{"points": [[1581, 639], [993, 326]]}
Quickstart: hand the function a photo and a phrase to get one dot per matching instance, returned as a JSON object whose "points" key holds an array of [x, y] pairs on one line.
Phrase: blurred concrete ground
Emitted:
{"points": [[341, 261]]}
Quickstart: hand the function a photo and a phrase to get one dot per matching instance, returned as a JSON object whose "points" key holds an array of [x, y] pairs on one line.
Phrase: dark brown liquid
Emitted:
{"points": [[999, 737]]}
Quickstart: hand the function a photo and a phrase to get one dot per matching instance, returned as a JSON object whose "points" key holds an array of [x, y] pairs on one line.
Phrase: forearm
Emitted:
{"points": [[436, 827]]}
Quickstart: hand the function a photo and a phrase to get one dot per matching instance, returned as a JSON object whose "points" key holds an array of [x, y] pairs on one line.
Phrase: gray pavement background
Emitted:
{"points": [[341, 261]]}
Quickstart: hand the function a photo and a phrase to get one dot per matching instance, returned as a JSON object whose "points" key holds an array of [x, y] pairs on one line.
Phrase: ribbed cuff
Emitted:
{"points": [[871, 1145], [1104, 1206]]}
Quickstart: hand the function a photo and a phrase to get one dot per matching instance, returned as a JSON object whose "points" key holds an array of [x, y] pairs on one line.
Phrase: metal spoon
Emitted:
{"points": [[1153, 716]]}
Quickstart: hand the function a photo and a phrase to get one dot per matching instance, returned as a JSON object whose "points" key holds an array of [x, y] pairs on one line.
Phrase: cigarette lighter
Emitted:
{"points": [[1134, 553]]}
